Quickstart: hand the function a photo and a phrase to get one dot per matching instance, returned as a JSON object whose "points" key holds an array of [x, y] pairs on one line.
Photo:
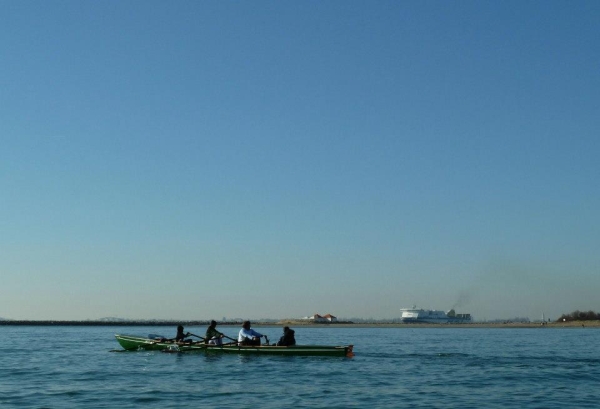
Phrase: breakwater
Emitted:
{"points": [[166, 323], [169, 323]]}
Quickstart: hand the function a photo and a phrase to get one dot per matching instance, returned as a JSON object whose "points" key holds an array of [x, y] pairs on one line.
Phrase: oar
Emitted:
{"points": [[157, 338], [229, 338], [224, 336], [197, 336]]}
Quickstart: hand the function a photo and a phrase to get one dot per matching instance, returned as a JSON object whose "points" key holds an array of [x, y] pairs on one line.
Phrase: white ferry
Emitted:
{"points": [[415, 314]]}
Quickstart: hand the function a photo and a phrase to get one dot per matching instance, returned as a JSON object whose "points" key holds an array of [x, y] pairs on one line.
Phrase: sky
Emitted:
{"points": [[276, 159]]}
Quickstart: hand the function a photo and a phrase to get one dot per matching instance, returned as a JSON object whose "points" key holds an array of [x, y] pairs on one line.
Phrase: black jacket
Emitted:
{"points": [[287, 339]]}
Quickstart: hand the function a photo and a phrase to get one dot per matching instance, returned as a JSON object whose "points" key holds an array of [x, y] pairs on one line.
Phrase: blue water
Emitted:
{"points": [[73, 367]]}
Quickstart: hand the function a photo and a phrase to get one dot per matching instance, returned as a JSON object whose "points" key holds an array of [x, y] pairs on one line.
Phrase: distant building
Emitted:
{"points": [[316, 318], [321, 318]]}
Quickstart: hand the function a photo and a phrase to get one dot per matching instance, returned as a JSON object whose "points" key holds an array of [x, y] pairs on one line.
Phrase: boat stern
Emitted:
{"points": [[350, 351]]}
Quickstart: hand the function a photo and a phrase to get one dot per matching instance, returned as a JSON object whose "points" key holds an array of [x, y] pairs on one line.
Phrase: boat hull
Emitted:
{"points": [[132, 343]]}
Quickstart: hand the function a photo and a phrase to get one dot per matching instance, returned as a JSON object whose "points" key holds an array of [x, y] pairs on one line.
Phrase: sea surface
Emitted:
{"points": [[75, 367]]}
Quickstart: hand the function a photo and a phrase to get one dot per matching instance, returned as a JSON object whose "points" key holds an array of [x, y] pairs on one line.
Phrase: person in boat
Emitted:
{"points": [[248, 336], [180, 337], [288, 338], [213, 336]]}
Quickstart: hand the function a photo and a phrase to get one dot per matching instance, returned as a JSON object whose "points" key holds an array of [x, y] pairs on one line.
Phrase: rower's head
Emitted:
{"points": [[180, 328], [213, 323], [246, 324]]}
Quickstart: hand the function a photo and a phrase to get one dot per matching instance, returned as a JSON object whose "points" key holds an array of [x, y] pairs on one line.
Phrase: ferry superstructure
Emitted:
{"points": [[415, 314]]}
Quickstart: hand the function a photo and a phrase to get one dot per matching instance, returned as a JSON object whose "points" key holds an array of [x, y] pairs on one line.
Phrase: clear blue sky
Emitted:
{"points": [[202, 159]]}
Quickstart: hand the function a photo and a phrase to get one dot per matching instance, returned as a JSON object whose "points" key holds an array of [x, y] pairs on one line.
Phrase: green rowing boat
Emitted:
{"points": [[131, 343]]}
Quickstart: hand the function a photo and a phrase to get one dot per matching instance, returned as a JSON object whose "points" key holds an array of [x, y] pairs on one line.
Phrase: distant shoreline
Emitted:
{"points": [[171, 323]]}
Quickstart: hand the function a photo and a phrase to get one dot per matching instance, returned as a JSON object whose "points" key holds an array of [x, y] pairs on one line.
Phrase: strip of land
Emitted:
{"points": [[506, 324]]}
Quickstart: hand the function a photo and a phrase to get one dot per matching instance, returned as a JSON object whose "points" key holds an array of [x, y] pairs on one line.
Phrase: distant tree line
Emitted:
{"points": [[580, 316], [509, 321]]}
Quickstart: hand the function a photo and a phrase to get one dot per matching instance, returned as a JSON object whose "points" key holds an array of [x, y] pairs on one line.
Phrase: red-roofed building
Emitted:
{"points": [[317, 318]]}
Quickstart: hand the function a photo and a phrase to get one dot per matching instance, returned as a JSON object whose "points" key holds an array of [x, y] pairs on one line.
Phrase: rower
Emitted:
{"points": [[248, 336], [288, 338], [213, 336], [180, 337]]}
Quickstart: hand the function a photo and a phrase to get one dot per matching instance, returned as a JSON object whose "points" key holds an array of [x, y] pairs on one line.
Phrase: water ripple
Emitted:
{"points": [[398, 368]]}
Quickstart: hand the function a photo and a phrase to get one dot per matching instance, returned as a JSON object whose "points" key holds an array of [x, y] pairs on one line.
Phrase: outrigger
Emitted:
{"points": [[133, 343]]}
